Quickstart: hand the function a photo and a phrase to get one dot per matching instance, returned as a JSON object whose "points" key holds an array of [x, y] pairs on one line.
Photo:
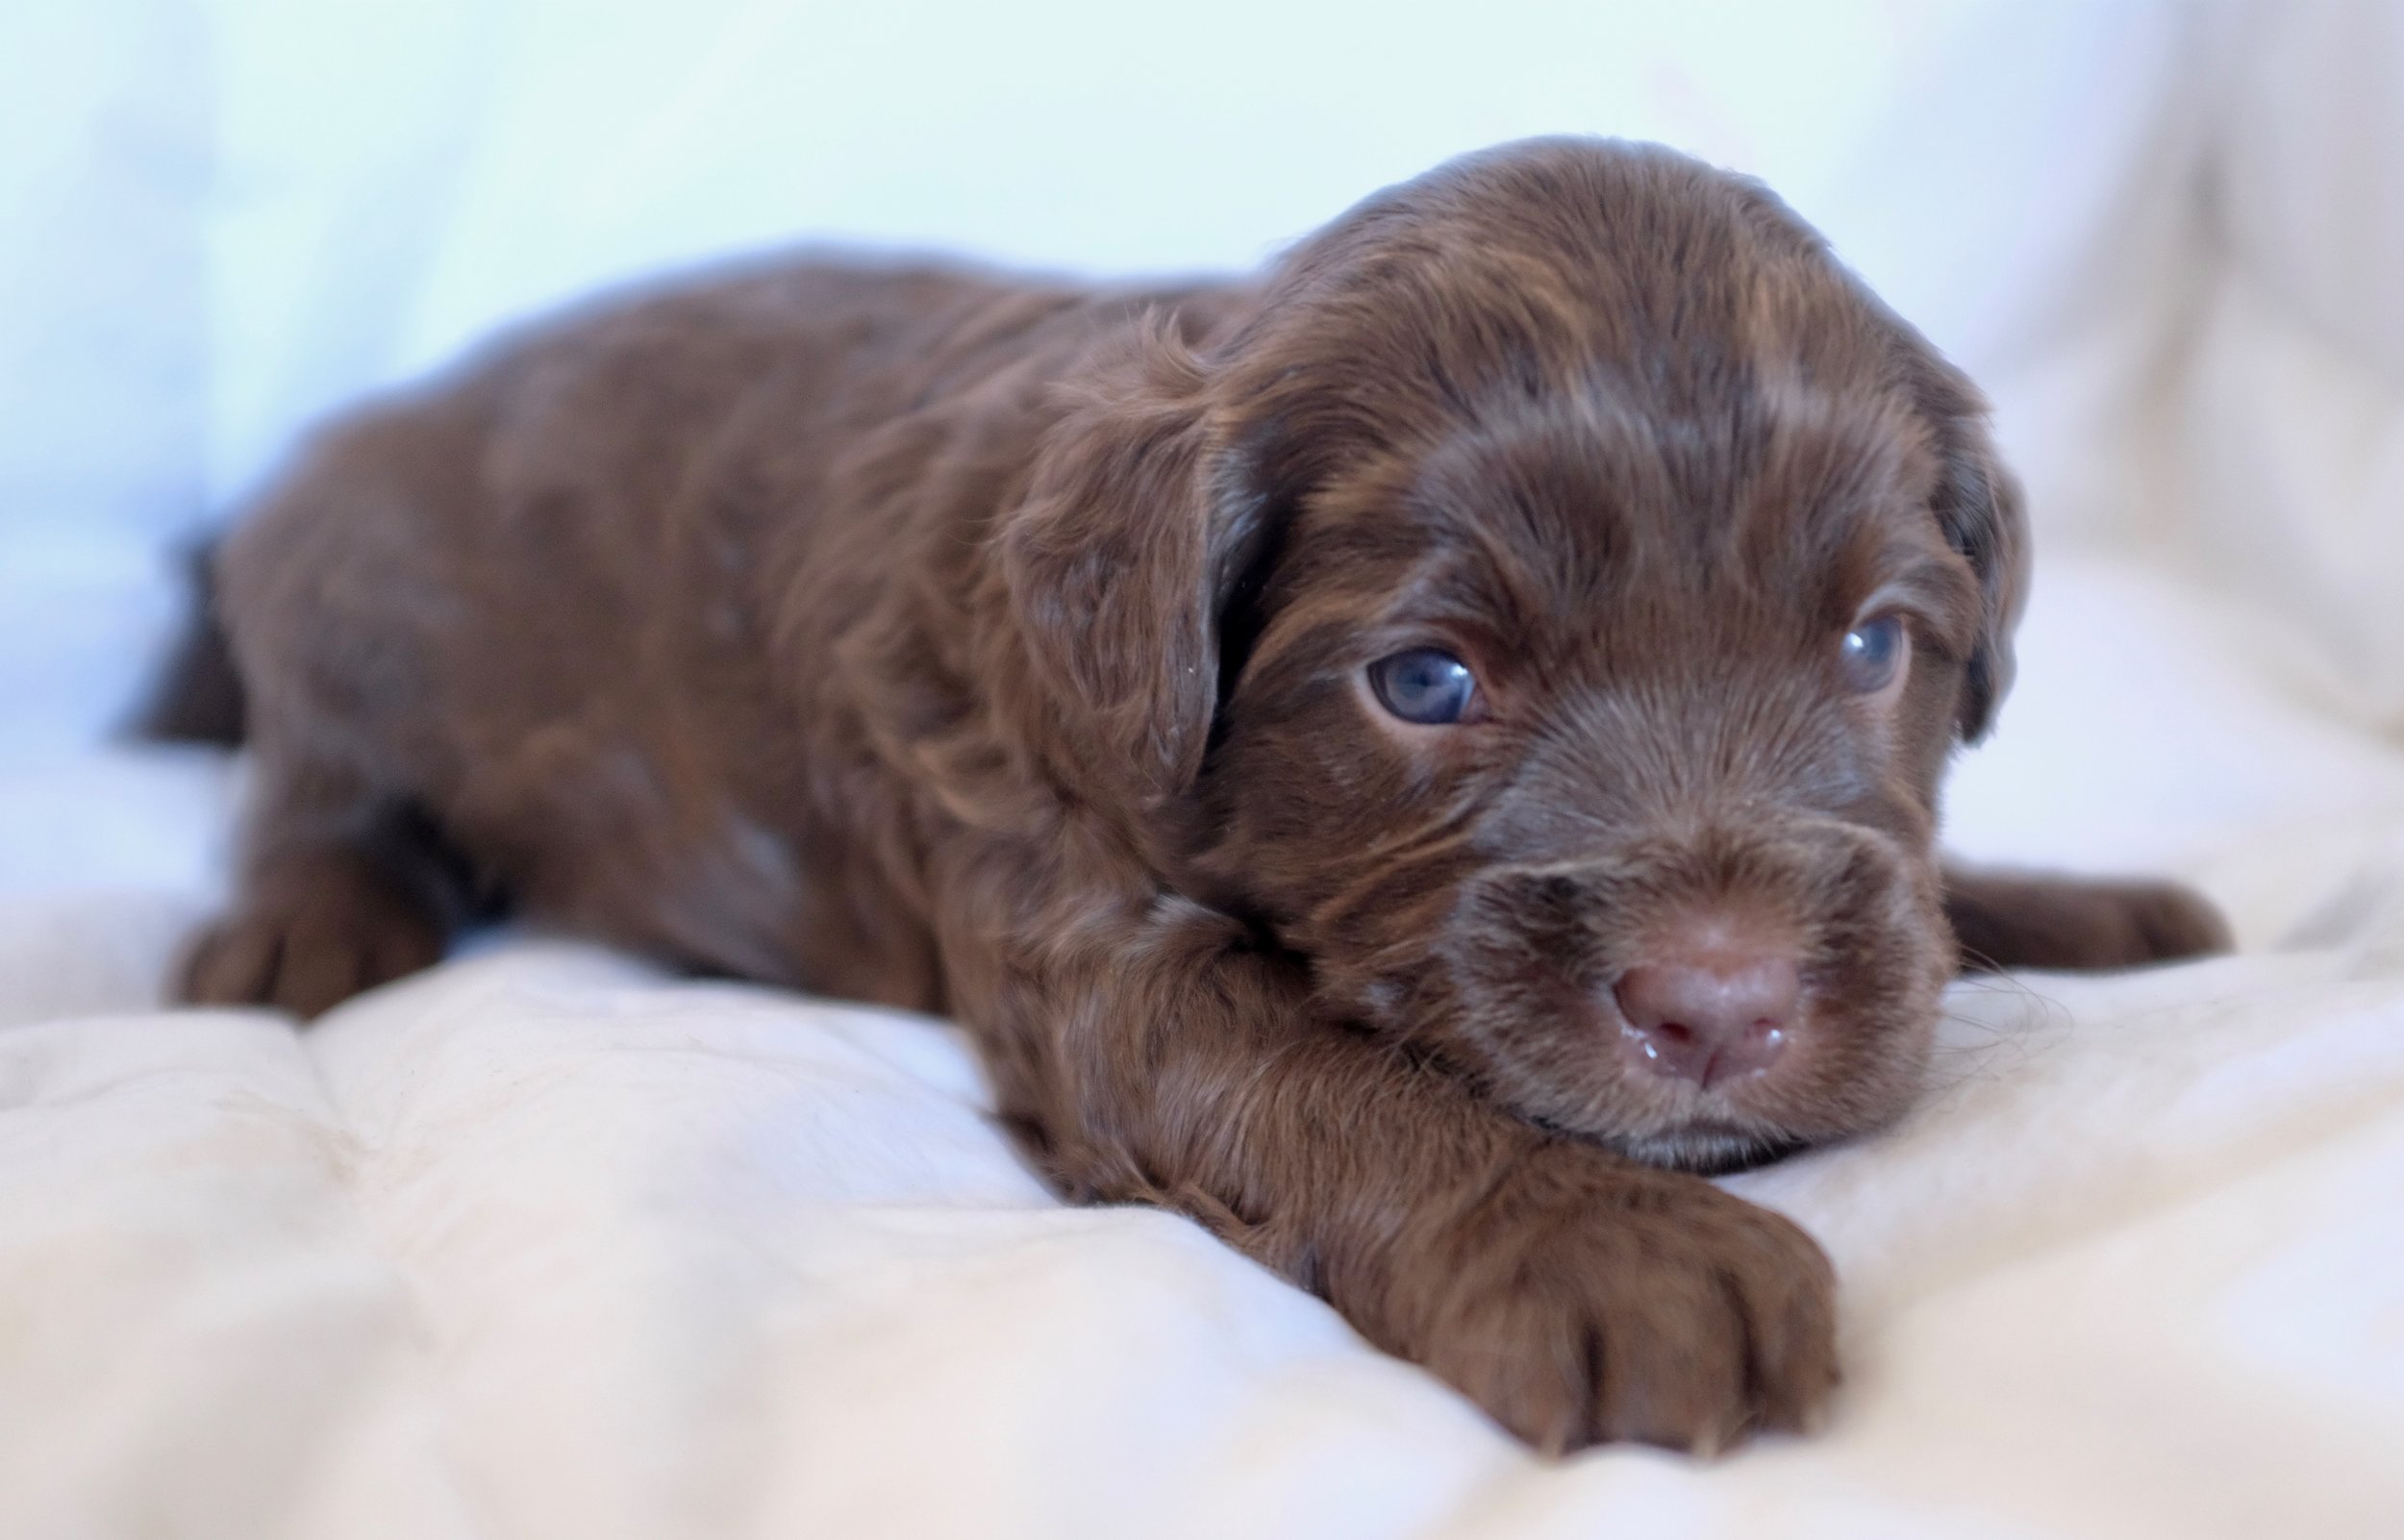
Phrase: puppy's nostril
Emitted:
{"points": [[1710, 1014]]}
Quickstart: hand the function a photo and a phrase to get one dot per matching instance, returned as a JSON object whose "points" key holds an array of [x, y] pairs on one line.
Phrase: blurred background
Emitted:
{"points": [[2166, 236]]}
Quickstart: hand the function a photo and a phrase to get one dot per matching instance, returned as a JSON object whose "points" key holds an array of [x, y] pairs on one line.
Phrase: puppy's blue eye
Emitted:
{"points": [[1425, 685], [1873, 653]]}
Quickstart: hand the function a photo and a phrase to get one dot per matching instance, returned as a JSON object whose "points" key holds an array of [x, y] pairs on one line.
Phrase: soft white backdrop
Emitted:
{"points": [[246, 210], [220, 218]]}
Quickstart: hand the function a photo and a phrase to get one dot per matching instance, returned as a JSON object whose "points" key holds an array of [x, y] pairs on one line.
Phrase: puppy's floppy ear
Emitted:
{"points": [[1113, 566], [1978, 506]]}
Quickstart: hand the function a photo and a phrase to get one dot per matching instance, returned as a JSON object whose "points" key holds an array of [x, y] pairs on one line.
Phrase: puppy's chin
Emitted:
{"points": [[1710, 1151]]}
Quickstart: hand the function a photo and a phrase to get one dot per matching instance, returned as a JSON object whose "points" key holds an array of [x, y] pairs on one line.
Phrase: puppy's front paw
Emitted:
{"points": [[2162, 922], [2009, 921], [1584, 1302]]}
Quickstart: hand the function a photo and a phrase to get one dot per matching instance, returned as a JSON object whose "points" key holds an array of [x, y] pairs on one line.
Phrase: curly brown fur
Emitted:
{"points": [[998, 647]]}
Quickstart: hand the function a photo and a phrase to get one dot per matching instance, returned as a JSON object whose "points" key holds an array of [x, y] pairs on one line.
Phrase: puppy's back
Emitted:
{"points": [[543, 602]]}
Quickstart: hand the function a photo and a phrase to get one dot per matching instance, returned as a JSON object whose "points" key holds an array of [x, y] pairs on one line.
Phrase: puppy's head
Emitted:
{"points": [[1548, 611]]}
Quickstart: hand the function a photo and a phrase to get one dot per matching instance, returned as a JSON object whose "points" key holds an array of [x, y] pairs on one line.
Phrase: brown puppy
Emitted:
{"points": [[1385, 759]]}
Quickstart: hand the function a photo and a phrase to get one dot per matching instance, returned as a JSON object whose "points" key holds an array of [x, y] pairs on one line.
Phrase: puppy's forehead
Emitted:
{"points": [[1594, 292], [1567, 512], [1774, 473], [1540, 379], [1540, 263]]}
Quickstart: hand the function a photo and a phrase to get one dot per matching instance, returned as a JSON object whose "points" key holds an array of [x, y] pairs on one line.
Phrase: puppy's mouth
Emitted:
{"points": [[1711, 1150], [1765, 1115]]}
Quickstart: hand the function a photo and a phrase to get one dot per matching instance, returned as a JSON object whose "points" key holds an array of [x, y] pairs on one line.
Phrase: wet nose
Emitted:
{"points": [[1712, 1001]]}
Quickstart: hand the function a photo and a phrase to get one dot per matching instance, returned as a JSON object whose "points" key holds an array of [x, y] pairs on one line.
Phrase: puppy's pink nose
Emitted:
{"points": [[1714, 1004]]}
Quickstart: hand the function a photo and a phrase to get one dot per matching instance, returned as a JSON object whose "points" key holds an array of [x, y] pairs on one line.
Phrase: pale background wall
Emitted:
{"points": [[2164, 234]]}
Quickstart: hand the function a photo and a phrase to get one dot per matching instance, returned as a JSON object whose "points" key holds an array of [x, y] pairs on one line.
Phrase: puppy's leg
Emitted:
{"points": [[2019, 920], [1575, 1295], [343, 888]]}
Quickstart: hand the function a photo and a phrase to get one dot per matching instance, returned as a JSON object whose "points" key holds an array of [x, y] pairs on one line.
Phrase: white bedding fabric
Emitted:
{"points": [[542, 1248], [542, 1244]]}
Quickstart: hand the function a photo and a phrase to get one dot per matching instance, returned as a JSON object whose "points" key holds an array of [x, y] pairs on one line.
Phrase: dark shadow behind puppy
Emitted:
{"points": [[1386, 759], [198, 697]]}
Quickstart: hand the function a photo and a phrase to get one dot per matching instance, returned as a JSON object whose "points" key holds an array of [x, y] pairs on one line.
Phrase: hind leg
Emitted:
{"points": [[343, 888]]}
